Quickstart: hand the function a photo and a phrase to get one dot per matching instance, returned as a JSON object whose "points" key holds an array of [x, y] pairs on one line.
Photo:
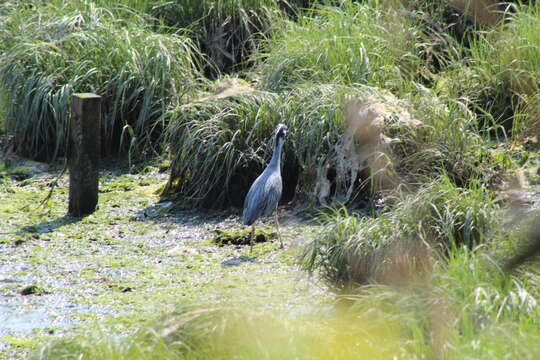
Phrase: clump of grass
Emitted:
{"points": [[465, 307], [138, 7], [460, 16], [450, 215], [518, 46], [51, 52], [33, 290], [518, 50], [455, 143], [493, 311], [213, 145], [499, 77], [482, 89], [352, 43], [348, 250], [242, 236], [355, 250], [219, 147], [526, 120]]}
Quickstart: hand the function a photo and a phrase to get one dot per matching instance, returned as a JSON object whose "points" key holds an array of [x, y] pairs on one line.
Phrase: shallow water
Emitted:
{"points": [[21, 314], [20, 317]]}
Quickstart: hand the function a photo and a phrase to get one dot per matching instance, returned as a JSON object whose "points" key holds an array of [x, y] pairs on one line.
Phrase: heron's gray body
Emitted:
{"points": [[265, 192], [263, 196]]}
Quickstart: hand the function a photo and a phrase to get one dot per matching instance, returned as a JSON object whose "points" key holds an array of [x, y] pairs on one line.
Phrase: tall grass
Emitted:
{"points": [[219, 147], [226, 31], [352, 43], [357, 250], [518, 47], [519, 51], [500, 75], [51, 52], [213, 142], [139, 7], [453, 143]]}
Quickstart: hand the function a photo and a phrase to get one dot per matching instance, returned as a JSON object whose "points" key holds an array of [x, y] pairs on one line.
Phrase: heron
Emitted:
{"points": [[265, 192]]}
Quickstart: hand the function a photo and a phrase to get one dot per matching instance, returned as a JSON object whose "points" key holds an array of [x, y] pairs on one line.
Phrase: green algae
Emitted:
{"points": [[33, 290], [243, 236], [119, 267]]}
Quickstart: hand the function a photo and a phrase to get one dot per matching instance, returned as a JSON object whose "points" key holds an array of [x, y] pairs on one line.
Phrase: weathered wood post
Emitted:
{"points": [[84, 153]]}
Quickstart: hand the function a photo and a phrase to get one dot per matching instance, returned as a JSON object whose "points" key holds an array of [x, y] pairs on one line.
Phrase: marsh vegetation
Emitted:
{"points": [[411, 176]]}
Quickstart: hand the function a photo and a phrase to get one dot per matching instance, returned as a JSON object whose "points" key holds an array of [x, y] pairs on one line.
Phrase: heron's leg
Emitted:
{"points": [[279, 233], [251, 238]]}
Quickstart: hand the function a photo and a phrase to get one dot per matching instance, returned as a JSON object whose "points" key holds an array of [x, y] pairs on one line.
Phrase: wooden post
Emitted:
{"points": [[84, 153]]}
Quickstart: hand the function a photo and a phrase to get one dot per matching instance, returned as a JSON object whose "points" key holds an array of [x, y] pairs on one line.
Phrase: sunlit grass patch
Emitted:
{"points": [[138, 7], [498, 77], [450, 142], [352, 43], [519, 51], [518, 47], [494, 311], [485, 93], [50, 52]]}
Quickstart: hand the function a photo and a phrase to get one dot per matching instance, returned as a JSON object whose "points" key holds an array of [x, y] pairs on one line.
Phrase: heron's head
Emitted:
{"points": [[281, 131]]}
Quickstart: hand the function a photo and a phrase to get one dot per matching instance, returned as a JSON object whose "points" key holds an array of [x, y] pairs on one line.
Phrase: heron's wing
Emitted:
{"points": [[273, 191], [263, 196], [254, 204]]}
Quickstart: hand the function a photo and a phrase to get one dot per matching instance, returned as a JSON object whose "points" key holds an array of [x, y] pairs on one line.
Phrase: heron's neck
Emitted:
{"points": [[276, 156]]}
